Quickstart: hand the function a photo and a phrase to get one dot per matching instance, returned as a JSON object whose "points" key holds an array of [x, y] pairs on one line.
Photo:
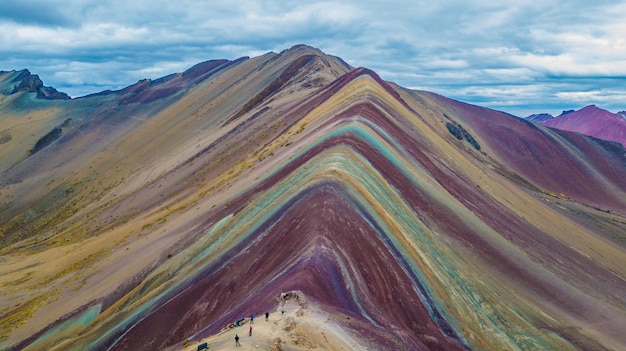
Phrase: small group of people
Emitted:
{"points": [[267, 316]]}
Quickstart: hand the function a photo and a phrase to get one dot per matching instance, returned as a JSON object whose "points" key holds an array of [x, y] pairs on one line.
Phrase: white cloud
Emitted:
{"points": [[446, 64], [601, 96], [573, 65], [491, 53], [35, 39]]}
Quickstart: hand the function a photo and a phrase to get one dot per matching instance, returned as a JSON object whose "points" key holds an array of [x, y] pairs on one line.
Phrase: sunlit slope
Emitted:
{"points": [[102, 173], [288, 171]]}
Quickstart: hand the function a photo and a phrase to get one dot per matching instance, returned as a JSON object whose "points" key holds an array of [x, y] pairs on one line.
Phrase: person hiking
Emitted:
{"points": [[251, 319], [267, 315], [237, 340], [250, 333]]}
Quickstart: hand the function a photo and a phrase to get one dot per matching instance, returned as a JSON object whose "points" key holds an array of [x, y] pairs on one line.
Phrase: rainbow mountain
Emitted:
{"points": [[156, 215]]}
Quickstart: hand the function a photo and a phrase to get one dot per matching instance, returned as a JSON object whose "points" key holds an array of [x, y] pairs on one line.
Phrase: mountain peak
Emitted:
{"points": [[591, 107], [591, 120], [306, 50], [303, 48], [595, 110], [565, 112], [24, 81]]}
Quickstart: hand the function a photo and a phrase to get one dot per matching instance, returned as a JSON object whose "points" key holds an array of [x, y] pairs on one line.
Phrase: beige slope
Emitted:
{"points": [[299, 328]]}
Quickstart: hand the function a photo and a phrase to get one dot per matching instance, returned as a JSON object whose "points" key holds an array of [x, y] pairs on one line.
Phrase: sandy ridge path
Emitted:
{"points": [[299, 328]]}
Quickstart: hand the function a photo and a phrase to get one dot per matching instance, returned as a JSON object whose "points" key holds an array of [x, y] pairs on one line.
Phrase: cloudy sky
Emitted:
{"points": [[518, 56]]}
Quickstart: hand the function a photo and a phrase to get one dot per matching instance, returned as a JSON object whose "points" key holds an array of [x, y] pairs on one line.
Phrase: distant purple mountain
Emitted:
{"points": [[589, 120]]}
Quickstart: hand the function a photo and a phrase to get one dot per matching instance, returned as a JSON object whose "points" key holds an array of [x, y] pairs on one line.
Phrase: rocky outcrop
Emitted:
{"points": [[50, 137], [31, 83], [460, 133]]}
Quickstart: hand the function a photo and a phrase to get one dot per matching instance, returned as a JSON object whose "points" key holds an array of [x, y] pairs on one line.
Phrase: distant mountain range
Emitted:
{"points": [[157, 216], [590, 120]]}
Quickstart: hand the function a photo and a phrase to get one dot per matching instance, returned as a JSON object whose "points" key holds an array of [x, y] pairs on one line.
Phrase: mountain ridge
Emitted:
{"points": [[170, 213]]}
